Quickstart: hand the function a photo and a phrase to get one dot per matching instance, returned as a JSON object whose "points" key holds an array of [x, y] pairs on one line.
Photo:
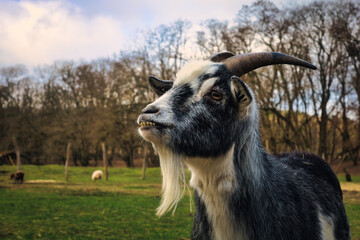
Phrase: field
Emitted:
{"points": [[46, 207]]}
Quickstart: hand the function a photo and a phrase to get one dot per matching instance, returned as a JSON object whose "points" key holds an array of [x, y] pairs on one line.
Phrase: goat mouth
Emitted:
{"points": [[152, 124]]}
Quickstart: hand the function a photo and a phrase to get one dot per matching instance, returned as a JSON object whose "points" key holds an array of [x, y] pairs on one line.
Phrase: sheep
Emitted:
{"points": [[18, 176], [207, 119], [97, 175]]}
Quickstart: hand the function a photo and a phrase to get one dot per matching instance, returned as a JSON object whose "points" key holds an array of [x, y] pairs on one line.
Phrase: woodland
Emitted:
{"points": [[87, 103]]}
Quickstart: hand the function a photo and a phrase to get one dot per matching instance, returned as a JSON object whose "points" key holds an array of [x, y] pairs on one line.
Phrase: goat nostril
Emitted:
{"points": [[150, 109]]}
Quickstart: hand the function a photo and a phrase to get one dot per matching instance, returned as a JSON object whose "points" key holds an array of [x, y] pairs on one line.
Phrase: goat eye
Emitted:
{"points": [[216, 95]]}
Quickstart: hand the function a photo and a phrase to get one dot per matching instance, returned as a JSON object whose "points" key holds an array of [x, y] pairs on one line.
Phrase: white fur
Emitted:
{"points": [[173, 173], [191, 71], [98, 174], [326, 226], [214, 179], [251, 162]]}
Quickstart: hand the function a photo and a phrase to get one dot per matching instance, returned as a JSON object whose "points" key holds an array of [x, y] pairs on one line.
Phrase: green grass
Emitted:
{"points": [[353, 213], [355, 179], [121, 208], [83, 174], [68, 214]]}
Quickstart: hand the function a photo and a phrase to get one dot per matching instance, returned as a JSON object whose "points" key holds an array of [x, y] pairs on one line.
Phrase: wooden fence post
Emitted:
{"points": [[17, 151], [145, 161], [105, 160], [67, 161]]}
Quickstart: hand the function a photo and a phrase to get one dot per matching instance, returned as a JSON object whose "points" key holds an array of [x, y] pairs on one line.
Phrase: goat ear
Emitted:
{"points": [[160, 86], [240, 92]]}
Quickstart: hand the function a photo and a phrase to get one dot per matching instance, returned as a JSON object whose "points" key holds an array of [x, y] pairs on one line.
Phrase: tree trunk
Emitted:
{"points": [[357, 157], [105, 160], [130, 160], [322, 150], [111, 157], [67, 161]]}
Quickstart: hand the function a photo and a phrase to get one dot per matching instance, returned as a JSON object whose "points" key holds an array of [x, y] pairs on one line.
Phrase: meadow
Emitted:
{"points": [[47, 207]]}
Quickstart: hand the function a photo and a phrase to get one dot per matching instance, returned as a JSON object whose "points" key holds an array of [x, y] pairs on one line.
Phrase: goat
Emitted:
{"points": [[18, 176], [207, 119], [97, 175]]}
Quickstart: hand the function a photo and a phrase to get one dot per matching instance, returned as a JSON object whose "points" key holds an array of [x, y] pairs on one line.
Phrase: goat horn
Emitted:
{"points": [[218, 57], [244, 63]]}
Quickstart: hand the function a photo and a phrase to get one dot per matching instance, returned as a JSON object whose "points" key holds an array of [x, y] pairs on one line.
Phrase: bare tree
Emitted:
{"points": [[346, 32], [165, 46]]}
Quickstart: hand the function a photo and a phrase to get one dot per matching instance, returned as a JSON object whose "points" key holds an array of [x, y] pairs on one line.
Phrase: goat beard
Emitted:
{"points": [[174, 183]]}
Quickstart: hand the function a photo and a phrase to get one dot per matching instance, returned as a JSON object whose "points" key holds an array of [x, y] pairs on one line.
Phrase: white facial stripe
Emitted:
{"points": [[206, 86], [192, 70]]}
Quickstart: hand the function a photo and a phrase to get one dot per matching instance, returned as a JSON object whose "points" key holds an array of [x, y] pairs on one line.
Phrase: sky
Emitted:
{"points": [[37, 32]]}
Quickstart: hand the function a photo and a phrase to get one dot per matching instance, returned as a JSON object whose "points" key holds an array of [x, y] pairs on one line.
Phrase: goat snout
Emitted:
{"points": [[155, 116], [150, 109], [148, 115]]}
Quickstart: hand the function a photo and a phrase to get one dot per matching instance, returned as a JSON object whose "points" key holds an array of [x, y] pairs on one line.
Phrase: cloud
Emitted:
{"points": [[41, 32], [155, 12], [34, 32]]}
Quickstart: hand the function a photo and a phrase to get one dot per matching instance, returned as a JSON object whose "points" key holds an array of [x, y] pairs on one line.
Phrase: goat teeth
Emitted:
{"points": [[143, 124]]}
